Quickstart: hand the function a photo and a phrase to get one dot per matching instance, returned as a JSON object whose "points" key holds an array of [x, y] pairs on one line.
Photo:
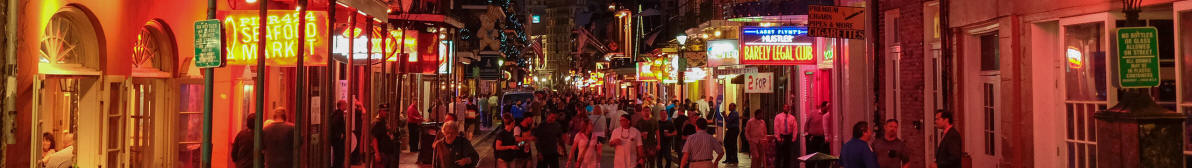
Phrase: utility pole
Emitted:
{"points": [[208, 87], [257, 160], [300, 87]]}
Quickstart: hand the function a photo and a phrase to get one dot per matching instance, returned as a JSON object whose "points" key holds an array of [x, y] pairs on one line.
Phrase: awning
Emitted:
{"points": [[374, 8], [428, 18]]}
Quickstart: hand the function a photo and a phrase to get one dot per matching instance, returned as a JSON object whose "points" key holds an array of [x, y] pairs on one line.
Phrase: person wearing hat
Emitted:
{"points": [[387, 146]]}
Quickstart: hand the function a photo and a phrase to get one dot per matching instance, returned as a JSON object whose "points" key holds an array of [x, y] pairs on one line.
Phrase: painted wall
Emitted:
{"points": [[118, 23]]}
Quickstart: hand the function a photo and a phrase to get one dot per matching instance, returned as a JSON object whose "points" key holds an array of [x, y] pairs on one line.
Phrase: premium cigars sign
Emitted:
{"points": [[776, 46], [836, 21]]}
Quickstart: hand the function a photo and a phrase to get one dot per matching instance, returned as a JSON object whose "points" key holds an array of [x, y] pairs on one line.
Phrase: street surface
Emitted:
{"points": [[485, 148]]}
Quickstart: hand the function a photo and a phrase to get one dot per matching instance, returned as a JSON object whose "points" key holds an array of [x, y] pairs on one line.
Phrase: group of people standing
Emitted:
{"points": [[888, 151]]}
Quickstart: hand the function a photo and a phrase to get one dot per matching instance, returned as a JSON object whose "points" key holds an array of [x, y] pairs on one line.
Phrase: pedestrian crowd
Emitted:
{"points": [[557, 129]]}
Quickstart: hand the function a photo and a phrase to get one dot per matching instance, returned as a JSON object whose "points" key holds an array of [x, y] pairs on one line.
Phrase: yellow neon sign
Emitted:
{"points": [[282, 39]]}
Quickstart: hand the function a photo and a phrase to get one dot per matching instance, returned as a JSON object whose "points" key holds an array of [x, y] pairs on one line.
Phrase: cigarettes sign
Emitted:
{"points": [[836, 21]]}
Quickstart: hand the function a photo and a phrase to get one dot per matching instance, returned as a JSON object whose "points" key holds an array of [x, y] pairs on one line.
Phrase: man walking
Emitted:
{"points": [[817, 129], [338, 134], [649, 131], [668, 136], [627, 144], [386, 146], [278, 141], [755, 133], [698, 151], [547, 136], [732, 123], [785, 125], [948, 151], [856, 152], [891, 151]]}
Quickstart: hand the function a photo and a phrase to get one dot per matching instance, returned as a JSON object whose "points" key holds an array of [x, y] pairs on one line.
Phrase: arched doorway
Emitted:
{"points": [[153, 63], [69, 71]]}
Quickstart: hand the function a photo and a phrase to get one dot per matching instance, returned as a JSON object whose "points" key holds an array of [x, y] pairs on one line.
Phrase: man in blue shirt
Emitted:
{"points": [[517, 110], [856, 153]]}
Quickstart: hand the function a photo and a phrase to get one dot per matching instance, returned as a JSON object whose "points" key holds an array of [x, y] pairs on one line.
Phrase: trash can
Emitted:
{"points": [[430, 132]]}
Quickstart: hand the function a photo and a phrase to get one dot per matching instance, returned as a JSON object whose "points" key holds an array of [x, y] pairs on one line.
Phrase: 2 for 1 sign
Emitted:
{"points": [[759, 83]]}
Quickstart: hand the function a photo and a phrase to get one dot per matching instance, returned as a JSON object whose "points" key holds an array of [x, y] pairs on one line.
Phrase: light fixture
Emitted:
{"points": [[682, 39], [717, 33], [250, 1], [703, 35]]}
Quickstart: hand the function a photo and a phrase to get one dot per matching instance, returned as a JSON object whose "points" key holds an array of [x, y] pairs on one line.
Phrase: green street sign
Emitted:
{"points": [[1138, 57], [208, 44]]}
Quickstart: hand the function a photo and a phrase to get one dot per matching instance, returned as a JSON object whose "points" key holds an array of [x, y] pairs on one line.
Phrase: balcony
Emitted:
{"points": [[772, 11]]}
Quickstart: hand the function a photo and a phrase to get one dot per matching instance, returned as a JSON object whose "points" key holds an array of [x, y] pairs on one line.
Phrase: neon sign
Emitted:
{"points": [[282, 27], [360, 42], [722, 52], [776, 46], [1075, 58]]}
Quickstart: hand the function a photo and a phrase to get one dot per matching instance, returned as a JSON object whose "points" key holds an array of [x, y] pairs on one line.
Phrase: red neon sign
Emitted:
{"points": [[241, 29]]}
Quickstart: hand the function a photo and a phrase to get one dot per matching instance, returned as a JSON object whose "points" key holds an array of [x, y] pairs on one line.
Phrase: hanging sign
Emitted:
{"points": [[208, 40], [776, 46], [282, 41], [759, 83], [836, 21], [722, 52], [1138, 61]]}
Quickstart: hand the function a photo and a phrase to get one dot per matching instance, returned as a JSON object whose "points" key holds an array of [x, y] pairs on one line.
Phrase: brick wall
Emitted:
{"points": [[910, 77]]}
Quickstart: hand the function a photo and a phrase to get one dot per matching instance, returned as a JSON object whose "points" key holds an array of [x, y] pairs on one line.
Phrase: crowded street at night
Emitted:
{"points": [[595, 83]]}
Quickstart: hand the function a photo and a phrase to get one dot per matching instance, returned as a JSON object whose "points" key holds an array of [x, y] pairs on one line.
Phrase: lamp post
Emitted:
{"points": [[682, 39]]}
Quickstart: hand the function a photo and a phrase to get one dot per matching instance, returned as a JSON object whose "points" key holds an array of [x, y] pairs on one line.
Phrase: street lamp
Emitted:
{"points": [[682, 39]]}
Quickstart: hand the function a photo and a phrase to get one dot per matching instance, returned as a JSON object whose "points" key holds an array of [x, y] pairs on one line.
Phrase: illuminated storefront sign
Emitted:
{"points": [[1075, 58], [776, 46], [446, 60], [654, 70], [662, 69], [722, 52], [242, 36], [360, 44], [827, 53]]}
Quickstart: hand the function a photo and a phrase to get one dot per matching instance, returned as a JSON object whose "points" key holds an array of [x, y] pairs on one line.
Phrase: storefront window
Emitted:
{"points": [[1085, 82], [190, 125], [1085, 62], [1186, 77]]}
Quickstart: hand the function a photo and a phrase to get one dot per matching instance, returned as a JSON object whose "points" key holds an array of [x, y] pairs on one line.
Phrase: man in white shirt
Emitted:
{"points": [[702, 106], [627, 143], [64, 158], [785, 126]]}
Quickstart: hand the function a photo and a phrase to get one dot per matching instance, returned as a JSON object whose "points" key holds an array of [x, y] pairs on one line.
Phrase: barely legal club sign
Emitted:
{"points": [[776, 46]]}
